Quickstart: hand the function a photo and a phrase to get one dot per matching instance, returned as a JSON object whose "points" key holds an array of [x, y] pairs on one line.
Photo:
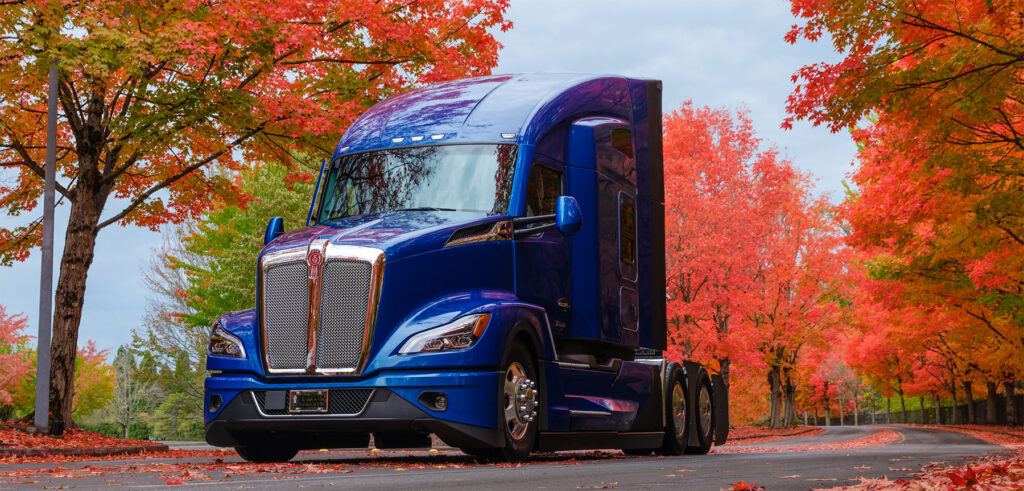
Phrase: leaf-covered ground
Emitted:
{"points": [[744, 435], [172, 469], [11, 436], [1002, 473], [879, 438]]}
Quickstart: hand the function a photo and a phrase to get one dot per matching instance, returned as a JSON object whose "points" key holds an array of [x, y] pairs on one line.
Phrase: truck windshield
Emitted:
{"points": [[437, 177]]}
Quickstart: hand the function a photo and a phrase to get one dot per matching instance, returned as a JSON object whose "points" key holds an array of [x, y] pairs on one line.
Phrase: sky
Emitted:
{"points": [[719, 53]]}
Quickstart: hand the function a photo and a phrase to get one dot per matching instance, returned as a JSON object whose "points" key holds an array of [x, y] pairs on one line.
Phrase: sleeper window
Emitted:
{"points": [[542, 190]]}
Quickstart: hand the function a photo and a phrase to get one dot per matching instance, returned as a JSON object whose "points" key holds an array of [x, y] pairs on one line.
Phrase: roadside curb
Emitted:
{"points": [[87, 452]]}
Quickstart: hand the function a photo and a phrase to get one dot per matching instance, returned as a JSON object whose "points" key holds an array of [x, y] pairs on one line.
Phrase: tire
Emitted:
{"points": [[266, 453], [518, 407], [704, 414], [677, 415]]}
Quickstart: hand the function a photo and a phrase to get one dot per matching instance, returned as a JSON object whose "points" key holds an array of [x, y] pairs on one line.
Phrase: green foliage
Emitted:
{"points": [[108, 428], [179, 418]]}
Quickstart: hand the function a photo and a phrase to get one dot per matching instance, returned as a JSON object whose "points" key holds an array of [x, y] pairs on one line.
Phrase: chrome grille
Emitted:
{"points": [[285, 314], [343, 302]]}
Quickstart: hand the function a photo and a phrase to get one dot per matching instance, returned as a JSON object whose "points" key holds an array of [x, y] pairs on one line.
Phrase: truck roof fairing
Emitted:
{"points": [[516, 108]]}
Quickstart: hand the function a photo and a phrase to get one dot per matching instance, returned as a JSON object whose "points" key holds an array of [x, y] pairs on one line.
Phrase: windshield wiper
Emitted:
{"points": [[425, 208]]}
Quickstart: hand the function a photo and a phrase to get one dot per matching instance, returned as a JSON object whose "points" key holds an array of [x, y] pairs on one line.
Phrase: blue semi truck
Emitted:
{"points": [[484, 261]]}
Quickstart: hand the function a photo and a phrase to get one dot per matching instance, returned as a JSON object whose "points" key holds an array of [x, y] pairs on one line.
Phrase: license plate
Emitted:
{"points": [[307, 401]]}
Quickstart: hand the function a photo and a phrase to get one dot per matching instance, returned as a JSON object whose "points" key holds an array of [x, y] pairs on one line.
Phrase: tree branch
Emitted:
{"points": [[182, 173]]}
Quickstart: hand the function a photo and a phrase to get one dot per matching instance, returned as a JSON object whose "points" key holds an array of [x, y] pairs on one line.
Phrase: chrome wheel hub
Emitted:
{"points": [[704, 406], [520, 400], [678, 411]]}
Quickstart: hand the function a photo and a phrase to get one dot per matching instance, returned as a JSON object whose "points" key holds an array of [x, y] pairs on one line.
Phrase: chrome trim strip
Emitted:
{"points": [[252, 395], [606, 414], [569, 364], [329, 252], [315, 282]]}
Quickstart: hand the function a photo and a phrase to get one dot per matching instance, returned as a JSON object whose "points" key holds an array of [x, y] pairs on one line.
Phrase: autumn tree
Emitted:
{"points": [[709, 156], [154, 94], [14, 360], [938, 198], [758, 302]]}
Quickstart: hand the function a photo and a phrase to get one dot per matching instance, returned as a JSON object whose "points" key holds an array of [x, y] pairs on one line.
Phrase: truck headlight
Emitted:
{"points": [[223, 343], [458, 334]]}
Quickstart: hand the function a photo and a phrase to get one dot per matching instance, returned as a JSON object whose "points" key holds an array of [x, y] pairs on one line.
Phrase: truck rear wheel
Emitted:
{"points": [[677, 415], [705, 417], [266, 453], [518, 406]]}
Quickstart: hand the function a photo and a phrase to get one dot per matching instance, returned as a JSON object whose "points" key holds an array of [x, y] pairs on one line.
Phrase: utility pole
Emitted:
{"points": [[46, 271]]}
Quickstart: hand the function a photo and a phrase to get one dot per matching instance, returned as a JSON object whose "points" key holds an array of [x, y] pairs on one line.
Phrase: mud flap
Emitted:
{"points": [[721, 394]]}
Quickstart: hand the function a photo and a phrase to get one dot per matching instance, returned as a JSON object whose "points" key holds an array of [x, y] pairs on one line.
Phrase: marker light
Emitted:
{"points": [[456, 335], [223, 343]]}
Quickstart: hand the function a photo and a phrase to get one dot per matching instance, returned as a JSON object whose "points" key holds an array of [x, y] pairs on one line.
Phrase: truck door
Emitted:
{"points": [[542, 260]]}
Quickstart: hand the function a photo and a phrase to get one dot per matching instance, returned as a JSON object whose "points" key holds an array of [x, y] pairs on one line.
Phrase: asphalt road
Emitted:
{"points": [[567, 470]]}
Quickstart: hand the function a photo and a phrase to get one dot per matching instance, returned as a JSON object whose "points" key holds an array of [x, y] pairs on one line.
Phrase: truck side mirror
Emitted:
{"points": [[275, 227], [568, 216]]}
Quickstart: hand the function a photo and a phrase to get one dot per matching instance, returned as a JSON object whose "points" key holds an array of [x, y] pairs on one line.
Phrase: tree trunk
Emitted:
{"points": [[828, 411], [903, 407], [816, 423], [956, 407], [775, 397], [79, 246], [991, 416], [969, 398], [856, 410], [924, 414], [1011, 404], [888, 410], [841, 422], [788, 401], [938, 408]]}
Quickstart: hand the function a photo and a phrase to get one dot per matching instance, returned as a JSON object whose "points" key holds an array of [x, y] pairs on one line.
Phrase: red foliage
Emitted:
{"points": [[14, 365], [73, 438]]}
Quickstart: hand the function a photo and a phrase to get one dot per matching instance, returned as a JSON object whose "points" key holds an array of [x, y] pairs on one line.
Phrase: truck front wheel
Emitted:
{"points": [[518, 406]]}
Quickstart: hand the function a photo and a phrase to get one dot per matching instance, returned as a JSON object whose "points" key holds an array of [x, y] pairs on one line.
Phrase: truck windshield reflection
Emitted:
{"points": [[429, 178]]}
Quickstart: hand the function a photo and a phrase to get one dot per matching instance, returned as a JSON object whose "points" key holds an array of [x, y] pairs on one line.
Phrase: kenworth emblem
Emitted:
{"points": [[315, 260]]}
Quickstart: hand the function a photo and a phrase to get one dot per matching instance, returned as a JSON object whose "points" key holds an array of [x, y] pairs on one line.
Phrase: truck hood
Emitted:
{"points": [[398, 234]]}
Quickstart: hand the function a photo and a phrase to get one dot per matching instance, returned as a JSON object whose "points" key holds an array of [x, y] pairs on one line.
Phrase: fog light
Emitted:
{"points": [[215, 403], [436, 401]]}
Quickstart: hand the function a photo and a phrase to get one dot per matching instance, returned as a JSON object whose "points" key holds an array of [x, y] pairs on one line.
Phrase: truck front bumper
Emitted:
{"points": [[397, 402]]}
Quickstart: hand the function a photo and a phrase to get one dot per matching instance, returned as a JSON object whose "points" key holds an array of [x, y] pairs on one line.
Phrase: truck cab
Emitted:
{"points": [[483, 261]]}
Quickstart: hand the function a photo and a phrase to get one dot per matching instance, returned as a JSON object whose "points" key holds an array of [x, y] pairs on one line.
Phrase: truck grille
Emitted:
{"points": [[339, 401], [286, 313], [343, 301], [318, 308]]}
